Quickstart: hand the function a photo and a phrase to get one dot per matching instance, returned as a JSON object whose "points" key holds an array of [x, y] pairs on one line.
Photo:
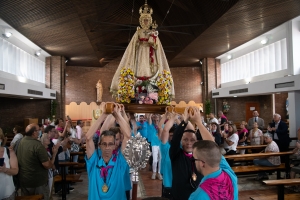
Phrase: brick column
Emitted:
{"points": [[55, 79], [211, 73]]}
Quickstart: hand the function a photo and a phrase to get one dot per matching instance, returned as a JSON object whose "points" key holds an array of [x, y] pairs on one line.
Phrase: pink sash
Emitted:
{"points": [[219, 188]]}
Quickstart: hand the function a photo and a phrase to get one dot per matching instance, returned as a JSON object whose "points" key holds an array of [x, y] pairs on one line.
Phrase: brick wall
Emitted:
{"points": [[13, 111], [55, 79], [237, 112], [81, 83], [280, 101]]}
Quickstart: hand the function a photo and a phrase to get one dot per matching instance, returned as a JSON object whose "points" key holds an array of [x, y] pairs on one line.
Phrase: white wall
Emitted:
{"points": [[17, 88], [289, 30], [294, 33], [260, 87]]}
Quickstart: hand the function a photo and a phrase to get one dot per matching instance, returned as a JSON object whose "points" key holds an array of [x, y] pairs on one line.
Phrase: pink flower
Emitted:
{"points": [[153, 95]]}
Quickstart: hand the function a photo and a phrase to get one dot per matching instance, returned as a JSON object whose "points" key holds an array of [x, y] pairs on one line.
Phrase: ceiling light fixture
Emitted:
{"points": [[31, 98], [7, 34], [38, 53], [229, 57], [234, 96], [264, 41]]}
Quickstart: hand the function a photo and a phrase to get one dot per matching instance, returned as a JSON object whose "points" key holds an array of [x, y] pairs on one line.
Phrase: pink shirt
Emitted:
{"points": [[79, 132]]}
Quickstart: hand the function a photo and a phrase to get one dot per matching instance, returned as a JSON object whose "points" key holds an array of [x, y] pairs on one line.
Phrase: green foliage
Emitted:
{"points": [[53, 109], [145, 83], [207, 107]]}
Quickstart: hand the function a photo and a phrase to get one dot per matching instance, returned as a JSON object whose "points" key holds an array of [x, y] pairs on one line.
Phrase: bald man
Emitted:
{"points": [[33, 164]]}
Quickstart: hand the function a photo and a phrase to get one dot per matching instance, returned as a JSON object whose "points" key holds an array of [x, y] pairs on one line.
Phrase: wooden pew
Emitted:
{"points": [[280, 185], [253, 168], [31, 197], [262, 146], [64, 181], [274, 196], [69, 178]]}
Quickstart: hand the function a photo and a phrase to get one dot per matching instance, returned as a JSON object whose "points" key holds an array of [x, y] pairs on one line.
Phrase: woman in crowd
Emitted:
{"points": [[225, 131], [256, 135], [222, 120], [8, 168], [18, 135], [243, 134], [269, 161], [231, 140], [215, 131]]}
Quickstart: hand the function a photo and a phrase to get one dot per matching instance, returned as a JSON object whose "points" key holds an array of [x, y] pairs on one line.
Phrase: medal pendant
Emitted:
{"points": [[194, 177], [104, 188]]}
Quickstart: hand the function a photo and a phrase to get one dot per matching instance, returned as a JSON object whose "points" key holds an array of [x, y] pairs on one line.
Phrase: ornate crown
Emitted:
{"points": [[154, 25], [145, 9]]}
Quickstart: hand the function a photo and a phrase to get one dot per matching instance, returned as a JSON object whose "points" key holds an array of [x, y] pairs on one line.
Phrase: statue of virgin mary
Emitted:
{"points": [[144, 59]]}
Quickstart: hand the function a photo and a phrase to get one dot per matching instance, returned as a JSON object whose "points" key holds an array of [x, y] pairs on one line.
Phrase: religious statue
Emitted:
{"points": [[99, 91], [144, 62]]}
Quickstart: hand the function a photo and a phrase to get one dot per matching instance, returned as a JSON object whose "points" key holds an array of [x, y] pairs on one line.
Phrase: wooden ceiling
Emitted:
{"points": [[89, 31]]}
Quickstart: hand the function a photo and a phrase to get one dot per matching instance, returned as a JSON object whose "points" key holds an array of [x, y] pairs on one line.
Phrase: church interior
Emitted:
{"points": [[63, 58]]}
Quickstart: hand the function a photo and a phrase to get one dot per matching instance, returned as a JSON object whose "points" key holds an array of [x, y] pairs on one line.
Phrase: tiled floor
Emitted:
{"points": [[248, 187]]}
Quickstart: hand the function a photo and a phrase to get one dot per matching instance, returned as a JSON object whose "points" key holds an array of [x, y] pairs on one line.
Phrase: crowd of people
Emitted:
{"points": [[187, 154], [31, 160]]}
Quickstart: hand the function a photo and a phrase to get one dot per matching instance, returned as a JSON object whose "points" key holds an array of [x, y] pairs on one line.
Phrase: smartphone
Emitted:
{"points": [[1, 161]]}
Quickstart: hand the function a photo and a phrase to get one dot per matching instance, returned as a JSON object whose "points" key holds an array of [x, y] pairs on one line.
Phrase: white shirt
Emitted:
{"points": [[17, 136], [233, 138], [214, 120], [6, 180]]}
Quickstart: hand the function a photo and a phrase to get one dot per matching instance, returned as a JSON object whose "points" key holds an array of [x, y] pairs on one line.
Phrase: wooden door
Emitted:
{"points": [[250, 107]]}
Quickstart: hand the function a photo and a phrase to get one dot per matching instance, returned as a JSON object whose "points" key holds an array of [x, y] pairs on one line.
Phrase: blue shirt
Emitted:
{"points": [[144, 130], [116, 178], [201, 194], [152, 133], [166, 168]]}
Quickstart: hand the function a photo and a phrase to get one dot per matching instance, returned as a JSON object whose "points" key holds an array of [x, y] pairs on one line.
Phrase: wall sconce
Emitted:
{"points": [[38, 53]]}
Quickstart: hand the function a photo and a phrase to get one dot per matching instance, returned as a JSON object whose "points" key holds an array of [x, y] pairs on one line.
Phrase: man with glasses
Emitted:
{"points": [[107, 171], [33, 163], [219, 181]]}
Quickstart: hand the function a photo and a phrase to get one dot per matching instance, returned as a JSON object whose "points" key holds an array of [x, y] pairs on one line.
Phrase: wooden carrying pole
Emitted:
{"points": [[134, 190]]}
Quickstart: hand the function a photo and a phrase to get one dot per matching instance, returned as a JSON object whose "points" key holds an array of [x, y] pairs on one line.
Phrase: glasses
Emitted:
{"points": [[194, 160], [109, 145]]}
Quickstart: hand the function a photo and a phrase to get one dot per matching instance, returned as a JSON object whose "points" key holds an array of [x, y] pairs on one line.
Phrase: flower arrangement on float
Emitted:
{"points": [[164, 83], [144, 90], [126, 86]]}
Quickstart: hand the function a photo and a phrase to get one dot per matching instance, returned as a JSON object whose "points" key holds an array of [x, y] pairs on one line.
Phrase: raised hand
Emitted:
{"points": [[195, 115], [186, 115]]}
